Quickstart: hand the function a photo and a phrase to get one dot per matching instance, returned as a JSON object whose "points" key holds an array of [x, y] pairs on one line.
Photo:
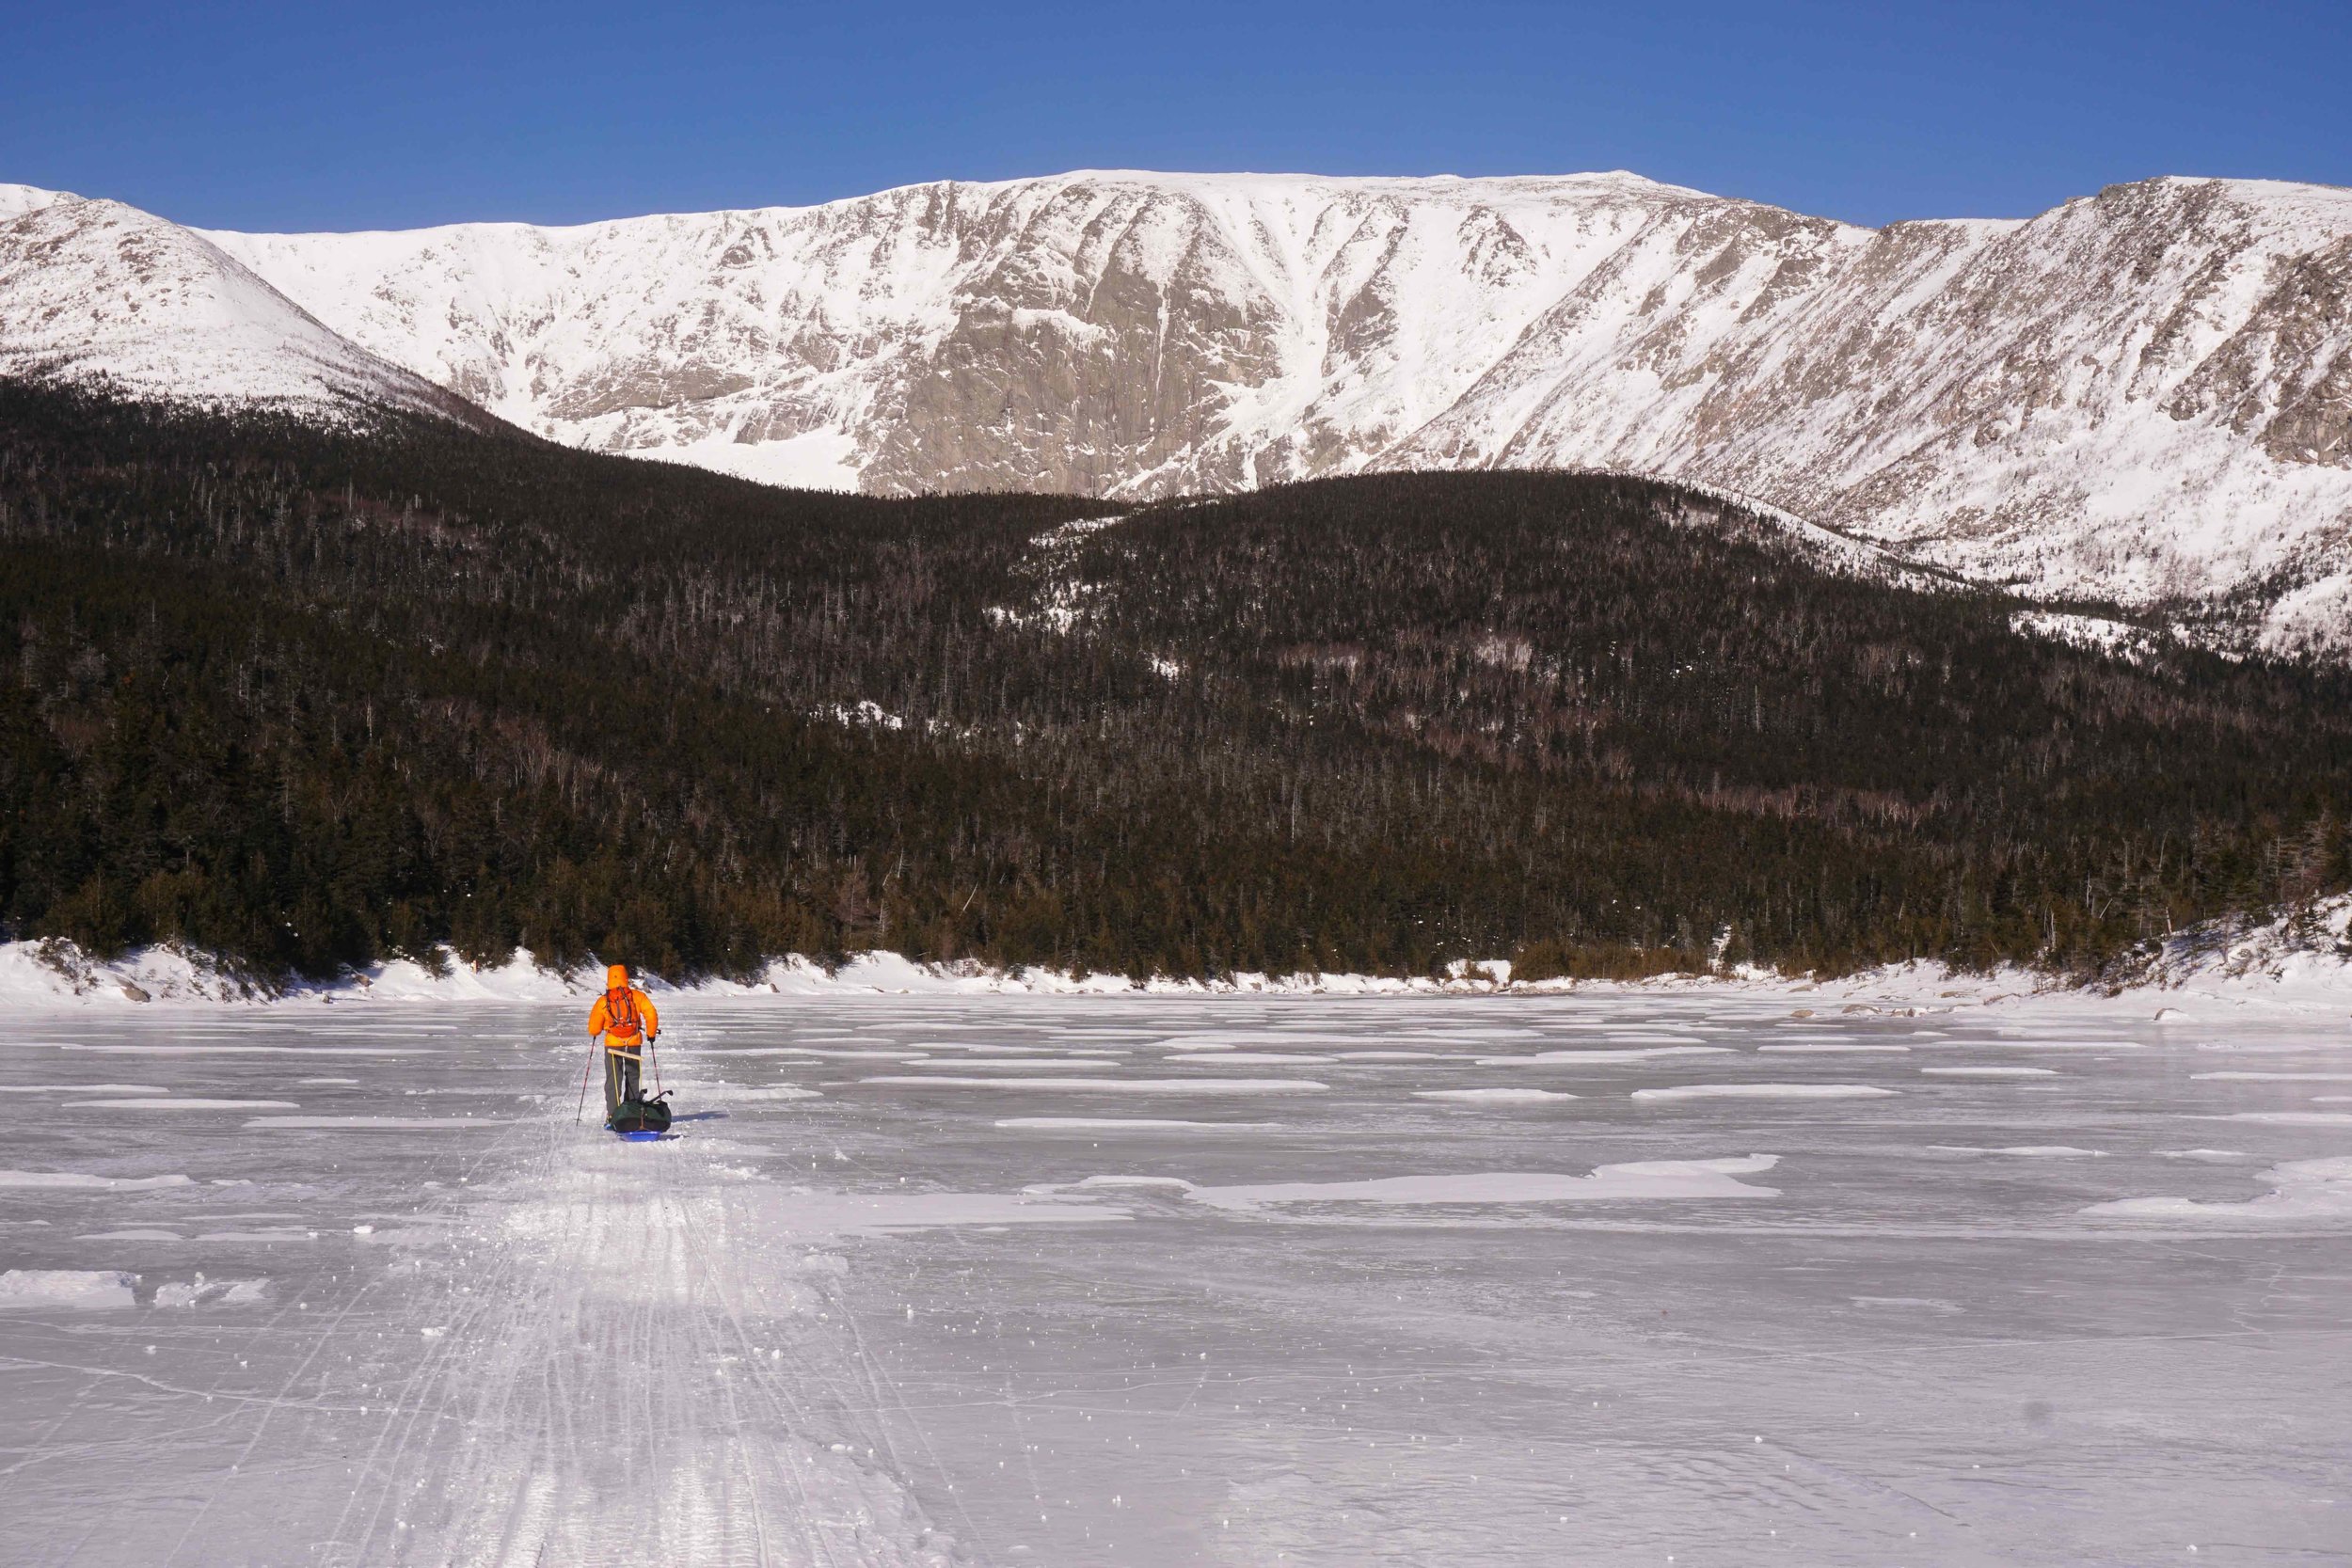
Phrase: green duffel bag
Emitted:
{"points": [[643, 1119]]}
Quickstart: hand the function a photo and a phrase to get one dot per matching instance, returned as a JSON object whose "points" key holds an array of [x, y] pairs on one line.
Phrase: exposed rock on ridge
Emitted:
{"points": [[2144, 394]]}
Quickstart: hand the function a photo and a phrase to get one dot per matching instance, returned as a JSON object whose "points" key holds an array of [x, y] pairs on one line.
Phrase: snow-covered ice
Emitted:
{"points": [[179, 1103], [1476, 1297], [1190, 1087], [65, 1290], [2026, 1151], [2296, 1118], [84, 1181], [2300, 1189], [1592, 1057], [399, 1124], [1497, 1095], [2275, 1077], [1125, 1124], [1766, 1091], [1989, 1071], [1636, 1180]]}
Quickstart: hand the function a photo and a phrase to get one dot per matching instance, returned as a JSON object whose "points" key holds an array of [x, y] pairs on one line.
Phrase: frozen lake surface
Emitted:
{"points": [[1092, 1281]]}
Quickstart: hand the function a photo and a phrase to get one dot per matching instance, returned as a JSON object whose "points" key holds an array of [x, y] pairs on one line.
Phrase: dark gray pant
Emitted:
{"points": [[620, 1077]]}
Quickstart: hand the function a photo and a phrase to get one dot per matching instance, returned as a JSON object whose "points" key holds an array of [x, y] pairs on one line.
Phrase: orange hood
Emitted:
{"points": [[616, 977]]}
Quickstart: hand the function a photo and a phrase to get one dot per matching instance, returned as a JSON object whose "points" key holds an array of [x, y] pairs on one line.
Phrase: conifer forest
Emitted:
{"points": [[312, 698]]}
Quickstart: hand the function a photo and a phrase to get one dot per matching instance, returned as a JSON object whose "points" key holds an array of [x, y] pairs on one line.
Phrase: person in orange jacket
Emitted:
{"points": [[623, 1016]]}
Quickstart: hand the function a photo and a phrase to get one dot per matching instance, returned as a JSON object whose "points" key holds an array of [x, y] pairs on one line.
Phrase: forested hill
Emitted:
{"points": [[310, 698]]}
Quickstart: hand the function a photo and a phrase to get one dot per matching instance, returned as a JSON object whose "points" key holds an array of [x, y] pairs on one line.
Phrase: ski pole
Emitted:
{"points": [[589, 1072]]}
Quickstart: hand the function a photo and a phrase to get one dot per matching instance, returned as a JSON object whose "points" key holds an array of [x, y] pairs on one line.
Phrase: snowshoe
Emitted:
{"points": [[641, 1120]]}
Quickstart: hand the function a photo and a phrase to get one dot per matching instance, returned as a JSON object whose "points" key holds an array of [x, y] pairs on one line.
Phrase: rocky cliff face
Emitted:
{"points": [[2144, 394], [1115, 334]]}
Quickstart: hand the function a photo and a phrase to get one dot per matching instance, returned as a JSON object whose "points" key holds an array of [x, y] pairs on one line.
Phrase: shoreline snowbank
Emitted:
{"points": [[2300, 961]]}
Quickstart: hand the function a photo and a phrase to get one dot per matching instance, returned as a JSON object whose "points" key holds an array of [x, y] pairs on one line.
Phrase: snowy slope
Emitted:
{"points": [[1140, 334], [96, 287], [2143, 394], [17, 200]]}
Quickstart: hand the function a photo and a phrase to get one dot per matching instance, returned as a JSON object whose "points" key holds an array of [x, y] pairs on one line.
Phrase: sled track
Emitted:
{"points": [[612, 1366]]}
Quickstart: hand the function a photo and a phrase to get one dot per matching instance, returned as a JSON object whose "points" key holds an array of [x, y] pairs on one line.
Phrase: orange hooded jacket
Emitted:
{"points": [[623, 1015]]}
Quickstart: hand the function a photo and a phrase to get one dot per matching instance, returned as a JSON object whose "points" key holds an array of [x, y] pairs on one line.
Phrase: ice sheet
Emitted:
{"points": [[1989, 1071], [1127, 1124], [2295, 1118], [180, 1103], [192, 1048], [2273, 1077], [69, 1180], [1115, 1085], [1249, 1059], [396, 1124], [2301, 1190], [948, 1065], [1600, 1056], [1647, 1180], [88, 1088], [963, 1317], [2026, 1151], [1766, 1091], [727, 1094], [1498, 1095]]}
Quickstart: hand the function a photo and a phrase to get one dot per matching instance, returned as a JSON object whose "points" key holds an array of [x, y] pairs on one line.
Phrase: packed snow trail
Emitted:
{"points": [[601, 1377]]}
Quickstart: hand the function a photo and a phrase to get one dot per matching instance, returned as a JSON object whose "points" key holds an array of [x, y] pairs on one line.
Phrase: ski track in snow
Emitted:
{"points": [[598, 1365], [612, 1373]]}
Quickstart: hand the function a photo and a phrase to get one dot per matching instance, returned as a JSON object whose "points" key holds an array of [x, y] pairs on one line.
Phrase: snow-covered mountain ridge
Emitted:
{"points": [[96, 286], [2145, 394]]}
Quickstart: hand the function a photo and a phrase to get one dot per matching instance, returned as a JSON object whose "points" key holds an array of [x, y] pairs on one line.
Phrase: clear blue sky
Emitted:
{"points": [[333, 115]]}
